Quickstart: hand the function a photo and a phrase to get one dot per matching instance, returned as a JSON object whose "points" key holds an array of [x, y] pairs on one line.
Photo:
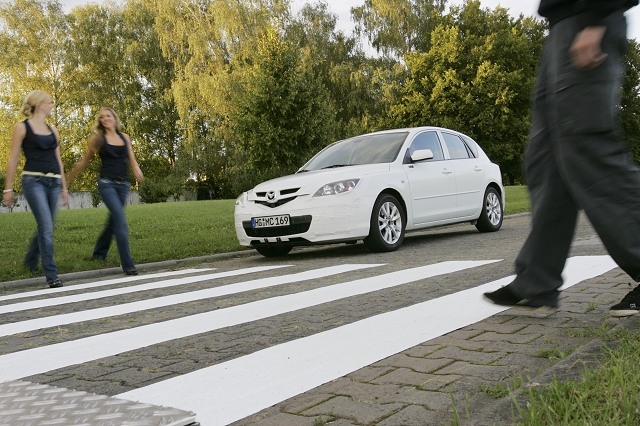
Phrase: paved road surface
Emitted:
{"points": [[333, 334]]}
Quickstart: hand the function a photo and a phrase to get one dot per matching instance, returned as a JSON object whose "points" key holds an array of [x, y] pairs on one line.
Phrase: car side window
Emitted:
{"points": [[427, 140], [471, 144], [457, 148]]}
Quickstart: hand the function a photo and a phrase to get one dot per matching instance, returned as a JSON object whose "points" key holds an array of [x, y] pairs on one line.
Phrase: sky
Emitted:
{"points": [[342, 8]]}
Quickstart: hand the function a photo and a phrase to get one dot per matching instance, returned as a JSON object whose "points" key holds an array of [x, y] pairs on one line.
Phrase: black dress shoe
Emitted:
{"points": [[505, 297], [131, 272]]}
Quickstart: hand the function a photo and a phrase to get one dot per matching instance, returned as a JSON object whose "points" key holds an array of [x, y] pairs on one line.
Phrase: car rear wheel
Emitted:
{"points": [[273, 251], [386, 231], [490, 219]]}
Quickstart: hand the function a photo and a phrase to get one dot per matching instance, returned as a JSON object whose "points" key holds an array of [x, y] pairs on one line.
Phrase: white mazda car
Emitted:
{"points": [[374, 187]]}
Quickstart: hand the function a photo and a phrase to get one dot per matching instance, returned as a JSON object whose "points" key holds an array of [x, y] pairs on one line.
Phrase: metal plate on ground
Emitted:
{"points": [[29, 404]]}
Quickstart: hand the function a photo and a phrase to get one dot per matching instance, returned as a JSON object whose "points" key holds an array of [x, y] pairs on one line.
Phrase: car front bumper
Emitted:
{"points": [[314, 220]]}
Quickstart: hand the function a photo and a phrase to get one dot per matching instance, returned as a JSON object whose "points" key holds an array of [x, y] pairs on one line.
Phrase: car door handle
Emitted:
{"points": [[446, 171], [477, 168]]}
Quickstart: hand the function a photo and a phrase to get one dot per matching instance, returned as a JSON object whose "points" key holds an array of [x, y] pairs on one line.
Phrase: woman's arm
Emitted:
{"points": [[65, 192], [132, 160], [19, 132], [92, 148]]}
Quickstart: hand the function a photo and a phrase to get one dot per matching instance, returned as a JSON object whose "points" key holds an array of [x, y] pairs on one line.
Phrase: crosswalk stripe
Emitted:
{"points": [[51, 291], [174, 299], [20, 364], [233, 390], [42, 303]]}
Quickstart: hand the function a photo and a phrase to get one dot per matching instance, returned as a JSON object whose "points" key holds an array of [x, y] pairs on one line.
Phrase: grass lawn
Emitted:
{"points": [[157, 232]]}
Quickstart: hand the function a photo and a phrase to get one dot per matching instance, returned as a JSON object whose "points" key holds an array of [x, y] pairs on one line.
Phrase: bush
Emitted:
{"points": [[158, 191], [95, 196]]}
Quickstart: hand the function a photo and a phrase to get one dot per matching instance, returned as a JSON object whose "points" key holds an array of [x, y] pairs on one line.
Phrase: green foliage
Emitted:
{"points": [[398, 26], [500, 390], [282, 117], [607, 395], [553, 353], [158, 191], [630, 111], [477, 78], [95, 197]]}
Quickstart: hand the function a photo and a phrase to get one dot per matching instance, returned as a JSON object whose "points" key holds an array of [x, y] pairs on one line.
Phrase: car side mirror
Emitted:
{"points": [[421, 154]]}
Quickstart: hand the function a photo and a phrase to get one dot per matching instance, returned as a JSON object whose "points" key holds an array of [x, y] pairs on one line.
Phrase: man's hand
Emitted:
{"points": [[585, 50]]}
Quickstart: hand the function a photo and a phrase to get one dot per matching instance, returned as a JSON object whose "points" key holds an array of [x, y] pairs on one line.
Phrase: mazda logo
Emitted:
{"points": [[271, 196]]}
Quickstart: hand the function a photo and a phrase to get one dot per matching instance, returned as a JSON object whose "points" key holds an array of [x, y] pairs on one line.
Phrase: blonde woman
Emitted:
{"points": [[42, 179], [114, 149]]}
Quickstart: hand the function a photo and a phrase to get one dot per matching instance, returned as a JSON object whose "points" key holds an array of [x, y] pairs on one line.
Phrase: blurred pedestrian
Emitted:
{"points": [[116, 153], [576, 157], [42, 179]]}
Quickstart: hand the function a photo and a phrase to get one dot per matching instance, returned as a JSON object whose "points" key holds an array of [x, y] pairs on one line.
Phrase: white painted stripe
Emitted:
{"points": [[20, 364], [85, 286], [174, 299], [42, 303], [233, 390]]}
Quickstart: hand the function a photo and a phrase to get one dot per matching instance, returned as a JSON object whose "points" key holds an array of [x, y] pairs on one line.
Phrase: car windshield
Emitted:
{"points": [[367, 149]]}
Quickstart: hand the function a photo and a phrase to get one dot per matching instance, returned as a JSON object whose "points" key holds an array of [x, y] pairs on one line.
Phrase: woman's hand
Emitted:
{"points": [[65, 197], [7, 198]]}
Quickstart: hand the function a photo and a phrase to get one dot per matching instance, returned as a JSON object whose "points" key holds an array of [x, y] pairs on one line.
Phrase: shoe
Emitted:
{"points": [[131, 272], [98, 257], [55, 283], [630, 304], [505, 297]]}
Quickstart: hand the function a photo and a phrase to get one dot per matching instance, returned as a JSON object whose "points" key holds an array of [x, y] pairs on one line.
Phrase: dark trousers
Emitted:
{"points": [[577, 159]]}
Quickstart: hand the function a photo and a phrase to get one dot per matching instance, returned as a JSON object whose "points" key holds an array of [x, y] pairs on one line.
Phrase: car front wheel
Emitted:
{"points": [[490, 219], [273, 251], [386, 231]]}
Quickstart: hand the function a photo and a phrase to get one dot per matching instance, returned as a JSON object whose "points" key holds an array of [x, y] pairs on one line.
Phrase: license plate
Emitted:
{"points": [[270, 221]]}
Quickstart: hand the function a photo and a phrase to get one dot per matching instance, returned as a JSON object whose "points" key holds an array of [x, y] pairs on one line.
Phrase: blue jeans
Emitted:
{"points": [[42, 194], [114, 195]]}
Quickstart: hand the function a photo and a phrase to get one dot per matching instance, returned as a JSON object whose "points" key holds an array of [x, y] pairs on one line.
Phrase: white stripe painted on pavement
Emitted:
{"points": [[233, 390], [21, 364], [42, 303], [85, 286], [174, 299]]}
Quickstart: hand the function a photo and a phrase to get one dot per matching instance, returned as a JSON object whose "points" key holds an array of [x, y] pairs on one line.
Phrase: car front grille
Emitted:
{"points": [[261, 197], [276, 204], [299, 224]]}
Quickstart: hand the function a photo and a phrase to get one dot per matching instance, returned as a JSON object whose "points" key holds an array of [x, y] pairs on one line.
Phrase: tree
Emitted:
{"points": [[477, 78], [630, 112], [117, 62], [397, 27], [33, 45], [283, 116]]}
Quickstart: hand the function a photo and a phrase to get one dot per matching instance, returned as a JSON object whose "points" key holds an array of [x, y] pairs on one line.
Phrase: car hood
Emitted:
{"points": [[310, 182]]}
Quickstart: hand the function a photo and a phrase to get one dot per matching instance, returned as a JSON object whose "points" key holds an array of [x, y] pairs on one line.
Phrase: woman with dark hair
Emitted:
{"points": [[116, 153], [42, 179]]}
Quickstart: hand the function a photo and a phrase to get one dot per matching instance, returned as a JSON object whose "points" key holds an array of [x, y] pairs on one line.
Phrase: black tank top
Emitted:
{"points": [[115, 160], [40, 151]]}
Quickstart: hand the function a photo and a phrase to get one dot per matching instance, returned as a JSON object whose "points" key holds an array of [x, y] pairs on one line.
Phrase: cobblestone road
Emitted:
{"points": [[415, 386]]}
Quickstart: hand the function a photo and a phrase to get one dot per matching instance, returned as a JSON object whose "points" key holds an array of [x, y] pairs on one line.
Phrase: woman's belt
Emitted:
{"points": [[51, 175]]}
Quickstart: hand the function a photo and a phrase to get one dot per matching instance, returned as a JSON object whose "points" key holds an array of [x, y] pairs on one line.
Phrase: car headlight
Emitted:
{"points": [[339, 187], [240, 199]]}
